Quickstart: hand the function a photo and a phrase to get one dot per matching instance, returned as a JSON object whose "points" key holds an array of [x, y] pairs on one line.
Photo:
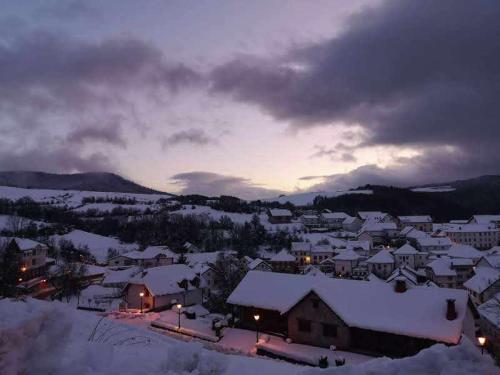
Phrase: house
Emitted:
{"points": [[380, 319], [352, 224], [406, 274], [486, 219], [284, 262], [302, 252], [152, 256], [412, 233], [163, 286], [480, 236], [485, 284], [381, 264], [490, 323], [428, 244], [279, 216], [421, 222], [311, 270], [31, 256], [408, 255], [375, 217], [450, 273], [378, 232], [119, 278], [333, 220], [310, 221], [465, 252], [259, 265], [491, 259], [346, 262]]}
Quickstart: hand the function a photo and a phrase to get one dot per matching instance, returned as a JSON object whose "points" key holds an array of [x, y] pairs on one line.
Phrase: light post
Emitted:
{"points": [[179, 306], [482, 341], [257, 317], [141, 294]]}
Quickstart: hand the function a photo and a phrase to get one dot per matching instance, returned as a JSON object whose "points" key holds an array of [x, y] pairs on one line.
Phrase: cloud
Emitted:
{"points": [[83, 92], [66, 10], [341, 152], [191, 136], [213, 184], [424, 74]]}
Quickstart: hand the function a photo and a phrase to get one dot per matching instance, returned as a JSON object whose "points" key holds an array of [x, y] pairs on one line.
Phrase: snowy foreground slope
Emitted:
{"points": [[50, 338]]}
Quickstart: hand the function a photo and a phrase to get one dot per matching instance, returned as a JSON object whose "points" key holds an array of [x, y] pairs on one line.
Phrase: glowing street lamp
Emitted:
{"points": [[179, 307], [141, 294], [23, 269], [257, 317], [482, 341]]}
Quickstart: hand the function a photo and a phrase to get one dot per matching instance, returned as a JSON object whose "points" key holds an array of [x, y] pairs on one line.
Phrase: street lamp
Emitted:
{"points": [[482, 341], [179, 306], [141, 294], [257, 317], [23, 269]]}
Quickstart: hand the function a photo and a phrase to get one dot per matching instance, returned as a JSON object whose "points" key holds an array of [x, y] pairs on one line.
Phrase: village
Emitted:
{"points": [[346, 290]]}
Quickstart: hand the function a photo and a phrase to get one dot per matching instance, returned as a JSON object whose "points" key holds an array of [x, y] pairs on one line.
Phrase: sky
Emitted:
{"points": [[252, 98]]}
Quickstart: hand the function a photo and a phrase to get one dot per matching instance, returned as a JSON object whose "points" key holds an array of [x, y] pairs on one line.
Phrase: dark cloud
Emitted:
{"points": [[191, 136], [52, 84], [213, 184], [65, 10], [421, 73]]}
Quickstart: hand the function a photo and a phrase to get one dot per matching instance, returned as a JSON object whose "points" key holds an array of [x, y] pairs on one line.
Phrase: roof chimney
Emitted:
{"points": [[400, 286], [451, 311]]}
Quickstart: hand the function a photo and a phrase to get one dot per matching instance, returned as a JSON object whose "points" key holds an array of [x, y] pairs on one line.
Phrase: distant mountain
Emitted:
{"points": [[95, 181]]}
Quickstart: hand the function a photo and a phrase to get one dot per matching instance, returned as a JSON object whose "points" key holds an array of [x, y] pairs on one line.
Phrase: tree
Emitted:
{"points": [[9, 269]]}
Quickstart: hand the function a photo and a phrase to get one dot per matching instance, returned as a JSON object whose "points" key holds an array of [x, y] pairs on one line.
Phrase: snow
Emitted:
{"points": [[464, 251], [483, 279], [163, 280], [442, 267], [434, 241], [52, 338], [98, 245], [376, 306], [347, 255], [283, 256], [415, 219], [304, 199], [382, 257], [5, 222], [108, 207], [255, 263], [406, 249], [490, 310], [280, 212], [434, 189], [151, 252], [25, 243], [120, 276], [485, 219], [72, 198]]}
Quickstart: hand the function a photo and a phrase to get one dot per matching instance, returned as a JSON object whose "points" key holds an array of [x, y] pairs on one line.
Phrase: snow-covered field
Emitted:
{"points": [[52, 338], [72, 198], [240, 218], [433, 189], [304, 199], [98, 245], [108, 207]]}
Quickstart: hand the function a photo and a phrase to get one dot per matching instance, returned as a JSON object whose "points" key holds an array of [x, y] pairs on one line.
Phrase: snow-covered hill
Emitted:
{"points": [[304, 199]]}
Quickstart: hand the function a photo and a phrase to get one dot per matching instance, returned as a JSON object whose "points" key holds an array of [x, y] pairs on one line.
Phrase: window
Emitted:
{"points": [[304, 325], [315, 303], [329, 330]]}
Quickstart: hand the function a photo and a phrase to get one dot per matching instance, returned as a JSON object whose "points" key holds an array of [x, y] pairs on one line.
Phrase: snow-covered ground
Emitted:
{"points": [[304, 199], [434, 189], [51, 338], [7, 222], [108, 207], [98, 245], [72, 198], [240, 218]]}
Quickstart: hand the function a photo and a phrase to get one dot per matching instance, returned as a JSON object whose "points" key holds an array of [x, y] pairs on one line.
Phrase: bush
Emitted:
{"points": [[323, 362]]}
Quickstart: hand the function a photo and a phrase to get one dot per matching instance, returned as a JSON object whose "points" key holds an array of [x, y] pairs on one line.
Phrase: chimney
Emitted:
{"points": [[451, 311], [400, 286]]}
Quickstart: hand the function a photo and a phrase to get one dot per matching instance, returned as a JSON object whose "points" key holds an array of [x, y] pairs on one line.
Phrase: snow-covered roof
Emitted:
{"points": [[347, 254], [204, 258], [151, 252], [283, 256], [359, 244], [485, 219], [280, 212], [469, 228], [442, 267], [483, 279], [383, 256], [415, 219], [322, 249], [418, 312], [490, 310], [371, 215], [493, 260], [411, 232], [301, 246], [349, 220], [25, 244], [371, 226], [434, 241], [464, 251], [334, 215], [164, 279], [311, 270], [406, 249], [120, 276], [255, 263], [403, 273]]}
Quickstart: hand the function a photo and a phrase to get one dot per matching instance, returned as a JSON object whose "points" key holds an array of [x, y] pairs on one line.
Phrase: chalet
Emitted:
{"points": [[346, 262], [352, 224], [449, 273], [284, 262], [422, 223], [279, 216], [120, 278], [360, 316], [485, 284], [311, 221], [381, 264], [31, 255], [152, 256], [333, 220], [378, 232], [375, 217], [163, 286]]}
